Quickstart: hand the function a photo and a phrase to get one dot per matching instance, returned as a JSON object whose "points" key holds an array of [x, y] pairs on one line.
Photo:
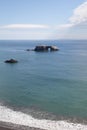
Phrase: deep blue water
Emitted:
{"points": [[54, 82]]}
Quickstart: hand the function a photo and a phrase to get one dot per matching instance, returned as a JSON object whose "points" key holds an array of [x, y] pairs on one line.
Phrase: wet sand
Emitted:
{"points": [[4, 128], [8, 126]]}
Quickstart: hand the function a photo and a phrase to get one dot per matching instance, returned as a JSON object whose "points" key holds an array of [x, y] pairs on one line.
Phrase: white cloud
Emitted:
{"points": [[24, 26], [76, 27], [24, 31], [64, 26], [79, 18], [79, 14]]}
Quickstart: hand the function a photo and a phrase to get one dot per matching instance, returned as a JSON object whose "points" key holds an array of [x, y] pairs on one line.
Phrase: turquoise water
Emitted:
{"points": [[53, 82]]}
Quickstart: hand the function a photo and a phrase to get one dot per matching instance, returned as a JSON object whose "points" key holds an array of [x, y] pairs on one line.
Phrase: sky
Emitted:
{"points": [[43, 19]]}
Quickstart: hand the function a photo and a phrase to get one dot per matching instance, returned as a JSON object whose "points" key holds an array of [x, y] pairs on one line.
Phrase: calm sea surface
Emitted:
{"points": [[53, 82]]}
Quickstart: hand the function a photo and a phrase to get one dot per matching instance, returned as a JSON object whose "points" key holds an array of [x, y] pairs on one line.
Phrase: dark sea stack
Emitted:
{"points": [[41, 48], [11, 61], [46, 48]]}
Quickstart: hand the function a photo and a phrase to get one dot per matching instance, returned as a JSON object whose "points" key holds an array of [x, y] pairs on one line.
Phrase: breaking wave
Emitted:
{"points": [[19, 118]]}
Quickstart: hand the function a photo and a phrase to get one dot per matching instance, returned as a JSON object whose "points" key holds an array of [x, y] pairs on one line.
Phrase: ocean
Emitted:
{"points": [[46, 90]]}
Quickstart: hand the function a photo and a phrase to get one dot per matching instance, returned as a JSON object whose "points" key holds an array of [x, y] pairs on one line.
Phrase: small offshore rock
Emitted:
{"points": [[30, 50], [11, 61]]}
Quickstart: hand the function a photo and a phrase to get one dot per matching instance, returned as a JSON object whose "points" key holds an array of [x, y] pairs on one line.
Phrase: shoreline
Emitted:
{"points": [[10, 126], [15, 120], [63, 126], [6, 128], [3, 128]]}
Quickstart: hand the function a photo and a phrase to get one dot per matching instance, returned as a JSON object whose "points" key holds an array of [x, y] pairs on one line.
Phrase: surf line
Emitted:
{"points": [[10, 116]]}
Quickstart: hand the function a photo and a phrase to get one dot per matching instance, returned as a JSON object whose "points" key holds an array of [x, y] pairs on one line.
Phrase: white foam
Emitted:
{"points": [[15, 117]]}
